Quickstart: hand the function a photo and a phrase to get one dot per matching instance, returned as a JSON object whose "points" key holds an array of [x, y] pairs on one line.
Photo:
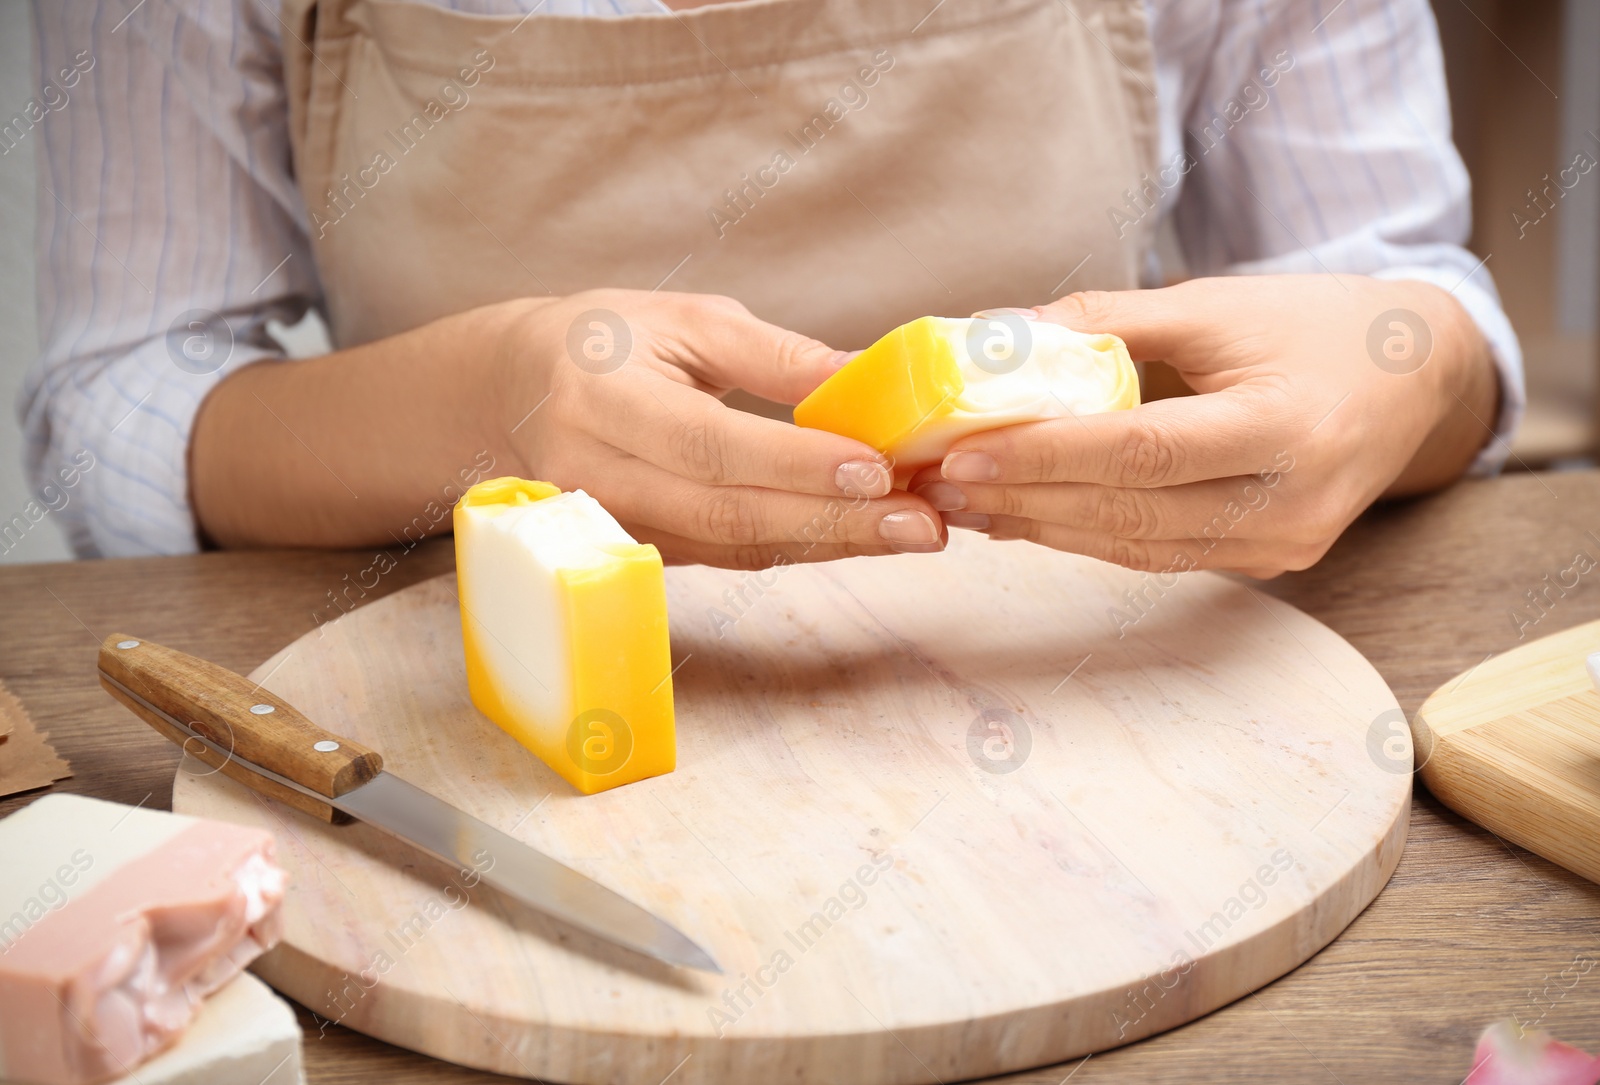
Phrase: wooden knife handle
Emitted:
{"points": [[246, 722]]}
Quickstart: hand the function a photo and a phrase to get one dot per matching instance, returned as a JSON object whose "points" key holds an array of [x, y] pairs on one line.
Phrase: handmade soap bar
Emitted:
{"points": [[931, 382], [564, 622], [243, 1035], [115, 922]]}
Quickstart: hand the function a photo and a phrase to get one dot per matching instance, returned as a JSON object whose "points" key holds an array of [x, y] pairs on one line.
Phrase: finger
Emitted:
{"points": [[637, 492], [1160, 555], [1166, 443], [689, 433], [677, 550], [1222, 507], [720, 342], [1178, 324]]}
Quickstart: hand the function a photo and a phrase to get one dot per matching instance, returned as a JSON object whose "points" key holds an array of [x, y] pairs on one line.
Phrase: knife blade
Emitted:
{"points": [[263, 742]]}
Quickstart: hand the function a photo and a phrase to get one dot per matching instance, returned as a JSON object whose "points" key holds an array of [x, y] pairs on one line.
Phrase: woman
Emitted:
{"points": [[548, 238]]}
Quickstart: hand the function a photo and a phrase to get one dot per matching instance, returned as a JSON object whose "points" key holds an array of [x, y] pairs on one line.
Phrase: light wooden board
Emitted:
{"points": [[1111, 885], [1514, 744]]}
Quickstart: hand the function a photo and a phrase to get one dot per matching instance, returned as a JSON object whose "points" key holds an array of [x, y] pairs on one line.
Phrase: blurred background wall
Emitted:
{"points": [[1525, 89], [18, 335]]}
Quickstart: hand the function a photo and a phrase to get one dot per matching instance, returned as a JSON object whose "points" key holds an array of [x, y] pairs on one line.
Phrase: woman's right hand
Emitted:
{"points": [[613, 391], [617, 392]]}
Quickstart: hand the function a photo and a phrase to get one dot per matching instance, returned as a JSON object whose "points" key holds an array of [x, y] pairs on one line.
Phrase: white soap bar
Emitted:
{"points": [[1592, 665], [243, 1035], [115, 922]]}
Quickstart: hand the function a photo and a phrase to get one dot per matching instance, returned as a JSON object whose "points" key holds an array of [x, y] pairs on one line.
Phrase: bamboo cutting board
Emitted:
{"points": [[1514, 744], [935, 817]]}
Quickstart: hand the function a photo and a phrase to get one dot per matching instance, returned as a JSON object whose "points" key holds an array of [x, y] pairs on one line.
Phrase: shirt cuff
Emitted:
{"points": [[1478, 296], [130, 421]]}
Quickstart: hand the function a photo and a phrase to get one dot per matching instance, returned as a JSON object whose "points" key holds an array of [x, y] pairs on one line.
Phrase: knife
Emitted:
{"points": [[261, 741]]}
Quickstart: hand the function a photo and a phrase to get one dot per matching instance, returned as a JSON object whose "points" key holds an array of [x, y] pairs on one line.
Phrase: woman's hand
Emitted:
{"points": [[616, 392], [1317, 395], [613, 391]]}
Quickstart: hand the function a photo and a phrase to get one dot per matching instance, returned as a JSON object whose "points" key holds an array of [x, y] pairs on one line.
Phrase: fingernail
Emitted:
{"points": [[943, 496], [991, 314], [863, 478], [972, 521], [909, 528], [842, 358], [970, 467]]}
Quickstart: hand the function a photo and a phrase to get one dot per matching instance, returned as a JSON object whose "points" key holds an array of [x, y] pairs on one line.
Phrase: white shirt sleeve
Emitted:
{"points": [[1341, 160], [169, 225]]}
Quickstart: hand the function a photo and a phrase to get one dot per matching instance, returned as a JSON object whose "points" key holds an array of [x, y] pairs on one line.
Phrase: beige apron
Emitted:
{"points": [[840, 166]]}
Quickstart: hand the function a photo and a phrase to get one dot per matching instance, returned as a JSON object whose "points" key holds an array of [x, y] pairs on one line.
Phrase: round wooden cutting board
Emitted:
{"points": [[938, 817]]}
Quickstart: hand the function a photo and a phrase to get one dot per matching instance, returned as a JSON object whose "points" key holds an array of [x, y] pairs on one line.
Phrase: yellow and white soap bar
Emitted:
{"points": [[564, 622], [929, 383]]}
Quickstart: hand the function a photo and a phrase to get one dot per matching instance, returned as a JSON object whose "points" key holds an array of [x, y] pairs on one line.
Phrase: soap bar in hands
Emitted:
{"points": [[564, 622], [115, 922], [929, 383]]}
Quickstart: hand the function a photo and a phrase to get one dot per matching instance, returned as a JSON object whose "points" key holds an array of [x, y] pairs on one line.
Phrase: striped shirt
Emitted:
{"points": [[1317, 135]]}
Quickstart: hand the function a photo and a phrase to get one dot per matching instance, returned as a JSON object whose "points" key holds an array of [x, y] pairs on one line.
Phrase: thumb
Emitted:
{"points": [[798, 364], [1184, 325], [736, 349]]}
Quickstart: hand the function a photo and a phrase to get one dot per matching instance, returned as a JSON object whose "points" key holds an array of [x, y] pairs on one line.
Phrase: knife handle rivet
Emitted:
{"points": [[127, 644], [262, 709], [327, 745]]}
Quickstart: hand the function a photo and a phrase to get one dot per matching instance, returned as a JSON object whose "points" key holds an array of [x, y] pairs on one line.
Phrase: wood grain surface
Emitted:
{"points": [[1514, 744], [1470, 928], [933, 815]]}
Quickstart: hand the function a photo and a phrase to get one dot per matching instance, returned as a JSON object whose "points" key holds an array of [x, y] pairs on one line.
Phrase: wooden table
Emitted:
{"points": [[1470, 930]]}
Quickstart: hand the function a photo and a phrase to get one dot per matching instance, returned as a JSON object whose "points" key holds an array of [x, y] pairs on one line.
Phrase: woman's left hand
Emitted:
{"points": [[1317, 395]]}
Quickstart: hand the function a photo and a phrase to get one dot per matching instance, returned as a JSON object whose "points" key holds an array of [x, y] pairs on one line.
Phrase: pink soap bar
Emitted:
{"points": [[131, 921]]}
